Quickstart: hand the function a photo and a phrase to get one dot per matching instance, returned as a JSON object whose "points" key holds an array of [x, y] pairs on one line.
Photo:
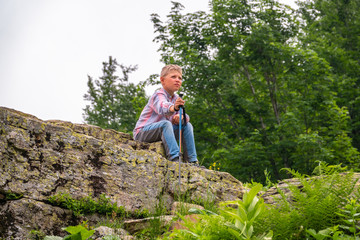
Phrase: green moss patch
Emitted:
{"points": [[89, 205]]}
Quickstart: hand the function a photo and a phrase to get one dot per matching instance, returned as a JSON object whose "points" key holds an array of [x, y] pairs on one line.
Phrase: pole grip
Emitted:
{"points": [[183, 107]]}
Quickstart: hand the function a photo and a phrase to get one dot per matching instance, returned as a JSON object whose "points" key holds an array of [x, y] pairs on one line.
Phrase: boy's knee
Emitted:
{"points": [[189, 125], [166, 124]]}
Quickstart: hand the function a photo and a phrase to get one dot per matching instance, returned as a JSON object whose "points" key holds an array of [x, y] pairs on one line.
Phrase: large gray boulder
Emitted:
{"points": [[41, 158]]}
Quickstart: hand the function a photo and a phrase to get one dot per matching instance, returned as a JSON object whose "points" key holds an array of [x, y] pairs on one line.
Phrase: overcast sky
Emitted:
{"points": [[49, 47]]}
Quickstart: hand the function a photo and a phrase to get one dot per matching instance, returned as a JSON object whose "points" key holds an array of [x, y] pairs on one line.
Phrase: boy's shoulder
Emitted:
{"points": [[157, 92], [162, 91]]}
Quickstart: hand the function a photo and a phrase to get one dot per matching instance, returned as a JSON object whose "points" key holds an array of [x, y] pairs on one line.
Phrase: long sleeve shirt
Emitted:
{"points": [[157, 109]]}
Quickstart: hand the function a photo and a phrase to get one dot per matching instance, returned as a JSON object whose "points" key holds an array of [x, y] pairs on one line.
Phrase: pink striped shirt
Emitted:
{"points": [[157, 109]]}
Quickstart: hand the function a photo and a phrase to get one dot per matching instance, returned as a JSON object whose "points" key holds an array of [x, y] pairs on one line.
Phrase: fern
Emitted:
{"points": [[313, 204]]}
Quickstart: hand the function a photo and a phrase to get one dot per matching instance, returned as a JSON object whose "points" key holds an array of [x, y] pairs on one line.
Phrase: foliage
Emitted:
{"points": [[79, 232], [207, 201], [269, 102], [331, 28], [350, 218], [315, 203], [114, 102], [278, 86], [12, 196], [326, 233], [229, 224], [157, 228], [88, 205], [245, 213], [36, 235], [112, 221], [324, 206]]}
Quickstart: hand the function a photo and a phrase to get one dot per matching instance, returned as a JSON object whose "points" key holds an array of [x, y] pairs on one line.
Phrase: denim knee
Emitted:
{"points": [[166, 124], [188, 126]]}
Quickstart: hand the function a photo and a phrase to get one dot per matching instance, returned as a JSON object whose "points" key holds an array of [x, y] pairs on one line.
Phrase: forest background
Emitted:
{"points": [[266, 86]]}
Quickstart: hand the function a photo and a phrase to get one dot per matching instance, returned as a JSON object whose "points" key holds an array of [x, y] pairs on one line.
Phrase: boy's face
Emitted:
{"points": [[171, 82]]}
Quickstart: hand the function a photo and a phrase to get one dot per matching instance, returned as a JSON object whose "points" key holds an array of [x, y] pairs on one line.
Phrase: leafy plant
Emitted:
{"points": [[332, 233], [324, 168], [79, 232], [244, 216], [230, 223], [351, 217]]}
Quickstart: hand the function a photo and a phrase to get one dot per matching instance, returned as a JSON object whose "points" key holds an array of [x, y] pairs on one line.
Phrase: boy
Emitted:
{"points": [[159, 119]]}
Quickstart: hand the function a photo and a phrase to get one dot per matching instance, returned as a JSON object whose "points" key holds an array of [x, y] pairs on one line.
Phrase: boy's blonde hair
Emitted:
{"points": [[171, 67]]}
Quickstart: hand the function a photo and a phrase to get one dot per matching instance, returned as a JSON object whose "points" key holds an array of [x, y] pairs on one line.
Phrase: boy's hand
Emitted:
{"points": [[175, 119], [179, 102]]}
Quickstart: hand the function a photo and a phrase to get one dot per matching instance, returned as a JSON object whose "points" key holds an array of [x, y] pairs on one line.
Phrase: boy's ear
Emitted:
{"points": [[161, 79]]}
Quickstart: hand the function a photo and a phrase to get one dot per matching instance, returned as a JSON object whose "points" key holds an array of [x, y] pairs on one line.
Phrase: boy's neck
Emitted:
{"points": [[169, 92]]}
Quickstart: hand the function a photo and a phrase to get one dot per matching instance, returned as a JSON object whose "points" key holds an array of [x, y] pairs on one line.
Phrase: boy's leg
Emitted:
{"points": [[188, 140], [163, 131]]}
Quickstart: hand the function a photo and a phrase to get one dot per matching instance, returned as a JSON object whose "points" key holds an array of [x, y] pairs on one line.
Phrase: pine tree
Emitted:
{"points": [[114, 102]]}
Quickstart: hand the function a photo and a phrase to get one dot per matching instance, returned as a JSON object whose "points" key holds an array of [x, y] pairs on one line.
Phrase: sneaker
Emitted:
{"points": [[196, 164], [175, 159]]}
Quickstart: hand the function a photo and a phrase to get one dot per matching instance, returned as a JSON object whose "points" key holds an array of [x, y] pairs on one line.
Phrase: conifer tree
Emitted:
{"points": [[114, 102]]}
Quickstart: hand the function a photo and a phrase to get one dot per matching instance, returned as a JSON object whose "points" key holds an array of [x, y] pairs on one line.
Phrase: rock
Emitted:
{"points": [[53, 238], [137, 225], [19, 217], [272, 195], [103, 231], [39, 159], [179, 224], [133, 226]]}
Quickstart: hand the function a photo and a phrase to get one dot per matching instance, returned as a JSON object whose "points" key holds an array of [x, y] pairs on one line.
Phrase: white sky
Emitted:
{"points": [[48, 47]]}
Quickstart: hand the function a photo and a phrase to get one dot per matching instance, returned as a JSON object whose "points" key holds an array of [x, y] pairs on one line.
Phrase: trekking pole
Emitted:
{"points": [[180, 139]]}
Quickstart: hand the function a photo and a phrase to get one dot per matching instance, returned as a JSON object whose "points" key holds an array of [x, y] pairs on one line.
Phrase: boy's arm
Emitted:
{"points": [[162, 106]]}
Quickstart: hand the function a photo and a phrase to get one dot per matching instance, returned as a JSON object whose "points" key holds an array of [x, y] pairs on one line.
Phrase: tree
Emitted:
{"points": [[332, 29], [114, 102], [266, 100]]}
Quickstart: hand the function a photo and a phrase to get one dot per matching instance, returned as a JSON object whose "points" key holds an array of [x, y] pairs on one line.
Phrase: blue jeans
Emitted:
{"points": [[169, 134]]}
